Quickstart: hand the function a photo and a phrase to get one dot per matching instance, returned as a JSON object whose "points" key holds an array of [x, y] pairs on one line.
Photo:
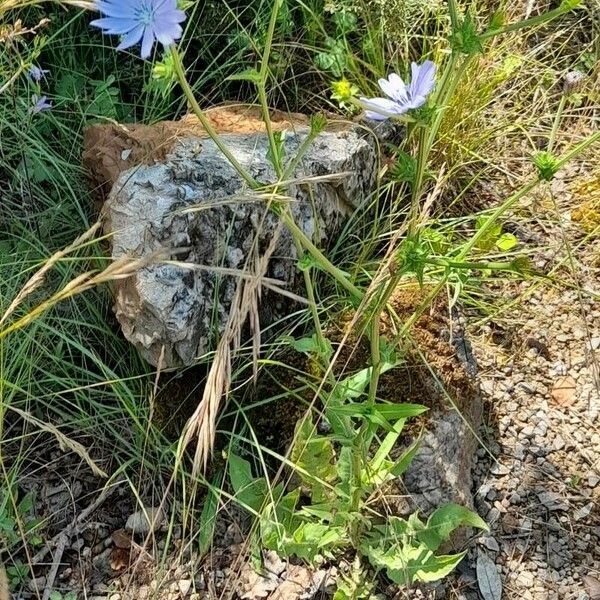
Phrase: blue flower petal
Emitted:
{"points": [[380, 109], [115, 26], [132, 38], [145, 20], [147, 42], [423, 79]]}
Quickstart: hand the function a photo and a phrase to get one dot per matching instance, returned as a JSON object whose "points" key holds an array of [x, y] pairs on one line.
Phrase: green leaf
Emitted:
{"points": [[250, 492], [506, 242], [567, 5], [315, 458], [546, 164], [497, 21], [276, 154], [405, 460], [387, 411], [488, 239], [438, 567], [318, 122], [465, 38], [444, 521], [405, 168], [208, 518], [248, 75]]}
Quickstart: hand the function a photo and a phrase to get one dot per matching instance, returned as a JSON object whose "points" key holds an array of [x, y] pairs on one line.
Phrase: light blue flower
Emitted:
{"points": [[145, 20], [401, 98], [36, 74], [39, 104]]}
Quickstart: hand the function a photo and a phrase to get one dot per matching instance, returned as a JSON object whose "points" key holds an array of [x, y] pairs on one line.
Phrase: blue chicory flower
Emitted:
{"points": [[36, 73], [39, 104], [401, 98], [146, 20]]}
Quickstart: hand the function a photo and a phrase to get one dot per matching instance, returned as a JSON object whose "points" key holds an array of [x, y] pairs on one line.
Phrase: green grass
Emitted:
{"points": [[72, 370]]}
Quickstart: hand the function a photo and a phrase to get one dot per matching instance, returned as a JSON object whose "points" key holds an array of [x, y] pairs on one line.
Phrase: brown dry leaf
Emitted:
{"points": [[564, 391], [253, 586], [592, 587], [119, 559], [299, 579], [121, 539]]}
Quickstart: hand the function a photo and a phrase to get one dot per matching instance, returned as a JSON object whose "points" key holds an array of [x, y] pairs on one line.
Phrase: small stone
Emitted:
{"points": [[552, 501], [489, 542], [583, 512], [185, 585], [593, 480], [527, 388], [141, 522], [525, 579], [499, 469], [595, 342], [37, 585]]}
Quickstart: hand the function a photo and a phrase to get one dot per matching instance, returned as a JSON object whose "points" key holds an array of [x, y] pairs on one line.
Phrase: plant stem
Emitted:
{"points": [[453, 10], [214, 136], [322, 261], [532, 22], [262, 92], [556, 123]]}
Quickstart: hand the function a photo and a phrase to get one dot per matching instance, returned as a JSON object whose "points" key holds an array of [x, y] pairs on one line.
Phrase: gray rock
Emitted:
{"points": [[184, 309], [552, 501], [441, 470]]}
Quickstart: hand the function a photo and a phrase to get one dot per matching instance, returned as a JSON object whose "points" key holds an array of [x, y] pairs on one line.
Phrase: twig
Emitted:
{"points": [[73, 527]]}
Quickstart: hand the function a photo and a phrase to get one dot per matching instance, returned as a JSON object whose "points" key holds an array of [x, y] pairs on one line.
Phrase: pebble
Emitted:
{"points": [[499, 469], [141, 521]]}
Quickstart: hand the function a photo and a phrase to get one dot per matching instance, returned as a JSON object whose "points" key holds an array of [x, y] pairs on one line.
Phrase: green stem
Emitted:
{"points": [[322, 261], [189, 94], [512, 200], [422, 156], [556, 123], [296, 232], [532, 22], [453, 10], [262, 92]]}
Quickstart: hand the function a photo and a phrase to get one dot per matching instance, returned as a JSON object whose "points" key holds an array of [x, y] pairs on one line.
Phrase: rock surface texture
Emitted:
{"points": [[193, 204]]}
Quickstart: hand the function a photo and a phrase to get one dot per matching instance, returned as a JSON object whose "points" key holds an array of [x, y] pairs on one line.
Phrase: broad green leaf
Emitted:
{"points": [[438, 567], [315, 457], [445, 520], [250, 492], [506, 242]]}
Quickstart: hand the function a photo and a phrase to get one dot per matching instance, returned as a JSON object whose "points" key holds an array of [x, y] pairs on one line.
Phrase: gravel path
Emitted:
{"points": [[540, 492]]}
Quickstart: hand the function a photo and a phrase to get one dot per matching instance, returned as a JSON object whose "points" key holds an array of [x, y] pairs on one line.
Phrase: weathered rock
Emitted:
{"points": [[441, 470], [194, 204]]}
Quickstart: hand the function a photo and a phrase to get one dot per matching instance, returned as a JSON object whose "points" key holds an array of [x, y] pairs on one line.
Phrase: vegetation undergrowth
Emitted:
{"points": [[66, 375]]}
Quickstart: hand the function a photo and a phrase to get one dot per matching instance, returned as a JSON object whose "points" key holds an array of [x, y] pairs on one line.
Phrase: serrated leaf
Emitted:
{"points": [[444, 520], [488, 578], [314, 456]]}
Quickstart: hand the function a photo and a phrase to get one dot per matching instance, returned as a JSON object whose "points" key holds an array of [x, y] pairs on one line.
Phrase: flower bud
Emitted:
{"points": [[573, 81]]}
